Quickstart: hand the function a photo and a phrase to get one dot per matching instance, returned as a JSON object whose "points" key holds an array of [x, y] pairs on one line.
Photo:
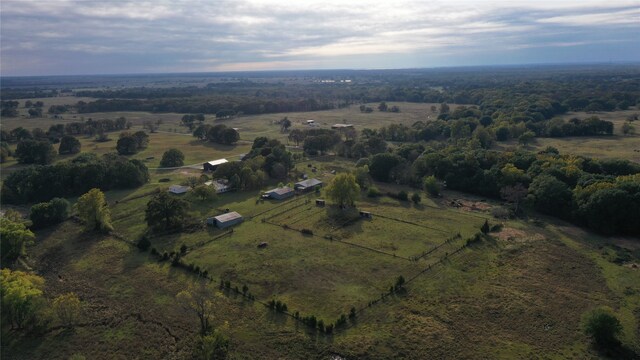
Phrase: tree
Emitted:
{"points": [[49, 213], [444, 108], [285, 124], [69, 145], [150, 125], [166, 211], [204, 192], [198, 299], [416, 198], [343, 190], [14, 237], [35, 152], [94, 211], [214, 346], [172, 158], [362, 176], [526, 138], [551, 196], [381, 165], [297, 135], [603, 327], [431, 186], [383, 106], [21, 296], [127, 145], [67, 308], [514, 194], [628, 129]]}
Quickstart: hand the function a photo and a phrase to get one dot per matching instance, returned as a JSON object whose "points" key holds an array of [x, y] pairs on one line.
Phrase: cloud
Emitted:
{"points": [[199, 35]]}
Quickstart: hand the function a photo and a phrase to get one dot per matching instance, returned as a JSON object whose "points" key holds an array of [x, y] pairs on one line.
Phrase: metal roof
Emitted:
{"points": [[228, 216], [309, 183], [217, 162], [280, 191]]}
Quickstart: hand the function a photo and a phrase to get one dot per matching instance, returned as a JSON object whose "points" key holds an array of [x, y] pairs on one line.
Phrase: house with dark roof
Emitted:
{"points": [[307, 185], [279, 193]]}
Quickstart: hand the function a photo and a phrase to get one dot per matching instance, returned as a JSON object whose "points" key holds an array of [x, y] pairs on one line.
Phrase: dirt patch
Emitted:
{"points": [[468, 205]]}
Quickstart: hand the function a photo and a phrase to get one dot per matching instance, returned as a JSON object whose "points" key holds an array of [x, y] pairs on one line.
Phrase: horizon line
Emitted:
{"points": [[513, 65]]}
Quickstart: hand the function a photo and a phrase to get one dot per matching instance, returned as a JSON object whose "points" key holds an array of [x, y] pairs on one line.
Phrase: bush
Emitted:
{"points": [[144, 244], [307, 231], [416, 198], [603, 327], [431, 186], [500, 212], [373, 192], [49, 213]]}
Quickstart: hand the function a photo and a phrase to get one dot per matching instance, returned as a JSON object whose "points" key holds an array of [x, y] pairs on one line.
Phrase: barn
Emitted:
{"points": [[225, 220], [308, 184], [213, 164], [280, 193]]}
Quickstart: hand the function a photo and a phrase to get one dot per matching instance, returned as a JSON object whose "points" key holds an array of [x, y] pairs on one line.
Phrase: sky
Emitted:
{"points": [[66, 37]]}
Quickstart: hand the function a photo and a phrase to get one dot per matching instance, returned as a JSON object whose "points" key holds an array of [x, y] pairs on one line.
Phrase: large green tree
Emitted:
{"points": [[21, 296], [94, 210], [69, 145], [172, 158], [14, 237], [35, 152], [166, 211], [343, 189]]}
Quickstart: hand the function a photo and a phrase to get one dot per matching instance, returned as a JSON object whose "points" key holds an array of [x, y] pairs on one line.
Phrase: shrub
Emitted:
{"points": [[603, 327], [307, 231], [144, 244], [431, 186], [373, 192], [416, 198], [49, 213]]}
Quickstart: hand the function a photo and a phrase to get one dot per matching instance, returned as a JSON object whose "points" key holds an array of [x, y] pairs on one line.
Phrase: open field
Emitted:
{"points": [[518, 296]]}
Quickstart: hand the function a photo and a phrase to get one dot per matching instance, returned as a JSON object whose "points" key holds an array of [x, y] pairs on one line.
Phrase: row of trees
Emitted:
{"points": [[72, 178], [601, 194]]}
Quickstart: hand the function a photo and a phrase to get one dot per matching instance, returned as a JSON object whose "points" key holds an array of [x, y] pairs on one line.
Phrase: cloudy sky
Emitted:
{"points": [[114, 37]]}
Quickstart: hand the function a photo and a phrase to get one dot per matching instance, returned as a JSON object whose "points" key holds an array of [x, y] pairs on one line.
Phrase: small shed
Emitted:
{"points": [[280, 193], [225, 220], [178, 189], [308, 184], [311, 122], [263, 245], [213, 164], [320, 202], [365, 214]]}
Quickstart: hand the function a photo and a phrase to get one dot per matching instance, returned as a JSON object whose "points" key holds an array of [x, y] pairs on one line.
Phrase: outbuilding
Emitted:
{"points": [[178, 189], [221, 186], [213, 164], [342, 126], [307, 185], [225, 220], [280, 193]]}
